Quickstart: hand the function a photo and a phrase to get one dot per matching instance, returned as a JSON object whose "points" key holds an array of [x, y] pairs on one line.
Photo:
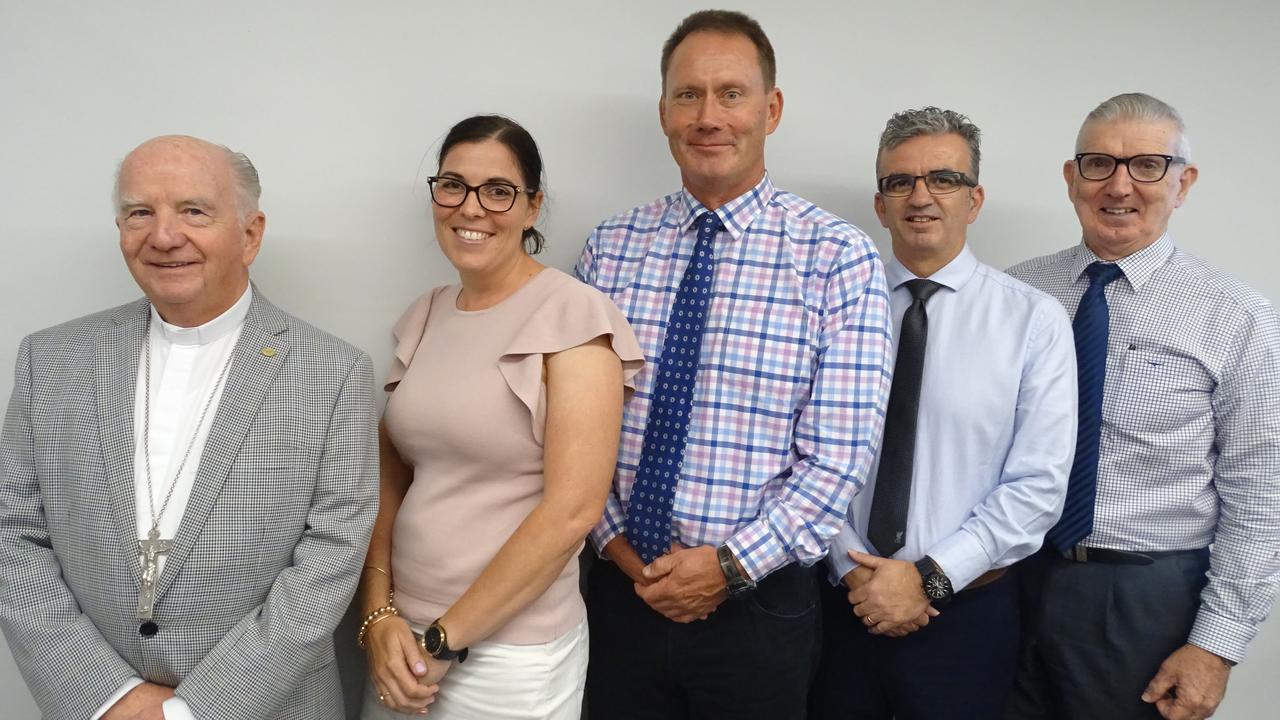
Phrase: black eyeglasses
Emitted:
{"points": [[1146, 168], [938, 182], [495, 197]]}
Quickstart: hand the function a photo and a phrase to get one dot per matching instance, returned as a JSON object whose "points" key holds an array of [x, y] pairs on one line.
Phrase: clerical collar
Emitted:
{"points": [[212, 331]]}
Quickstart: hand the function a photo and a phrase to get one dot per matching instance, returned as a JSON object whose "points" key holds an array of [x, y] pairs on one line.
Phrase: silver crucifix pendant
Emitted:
{"points": [[150, 549]]}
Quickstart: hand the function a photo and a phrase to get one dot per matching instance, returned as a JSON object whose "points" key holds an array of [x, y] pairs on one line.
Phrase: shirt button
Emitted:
{"points": [[148, 628]]}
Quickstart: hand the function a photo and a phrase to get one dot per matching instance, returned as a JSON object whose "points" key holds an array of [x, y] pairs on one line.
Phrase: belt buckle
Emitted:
{"points": [[1080, 553]]}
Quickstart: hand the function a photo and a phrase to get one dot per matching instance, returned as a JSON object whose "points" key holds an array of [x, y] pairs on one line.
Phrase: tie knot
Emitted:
{"points": [[1102, 273], [922, 289]]}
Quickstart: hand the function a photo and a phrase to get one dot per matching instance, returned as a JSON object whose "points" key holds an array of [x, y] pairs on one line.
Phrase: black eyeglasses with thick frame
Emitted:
{"points": [[497, 197], [1147, 165], [938, 182]]}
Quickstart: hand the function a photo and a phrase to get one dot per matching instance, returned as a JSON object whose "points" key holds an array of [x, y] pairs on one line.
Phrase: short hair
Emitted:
{"points": [[248, 185], [1138, 106], [516, 139], [931, 121], [729, 22], [245, 175]]}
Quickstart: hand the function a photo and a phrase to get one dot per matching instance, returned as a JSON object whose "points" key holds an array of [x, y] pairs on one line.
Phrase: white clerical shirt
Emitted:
{"points": [[185, 365]]}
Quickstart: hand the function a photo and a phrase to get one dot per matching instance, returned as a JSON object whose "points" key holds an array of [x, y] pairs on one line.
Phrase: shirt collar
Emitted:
{"points": [[737, 214], [1137, 268], [953, 275], [216, 329]]}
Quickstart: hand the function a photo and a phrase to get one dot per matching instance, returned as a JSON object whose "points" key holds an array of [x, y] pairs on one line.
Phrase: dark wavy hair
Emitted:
{"points": [[518, 140]]}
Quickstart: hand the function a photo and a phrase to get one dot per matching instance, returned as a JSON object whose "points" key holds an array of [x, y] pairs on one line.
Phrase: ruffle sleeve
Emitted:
{"points": [[408, 332], [571, 316]]}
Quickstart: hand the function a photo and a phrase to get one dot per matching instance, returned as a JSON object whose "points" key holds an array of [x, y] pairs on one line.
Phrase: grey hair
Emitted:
{"points": [[931, 121], [248, 185], [1137, 106]]}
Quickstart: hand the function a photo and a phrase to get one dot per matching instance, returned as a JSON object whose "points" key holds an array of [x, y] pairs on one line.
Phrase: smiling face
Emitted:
{"points": [[480, 242], [182, 233], [716, 111], [1118, 216], [928, 230]]}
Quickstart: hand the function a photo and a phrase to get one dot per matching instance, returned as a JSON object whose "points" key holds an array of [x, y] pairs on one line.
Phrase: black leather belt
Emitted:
{"points": [[1083, 554]]}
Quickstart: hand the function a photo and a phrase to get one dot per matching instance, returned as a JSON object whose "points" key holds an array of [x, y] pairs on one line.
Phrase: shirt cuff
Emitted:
{"points": [[1222, 636], [758, 549], [610, 526], [129, 684], [838, 560], [175, 708], [961, 557]]}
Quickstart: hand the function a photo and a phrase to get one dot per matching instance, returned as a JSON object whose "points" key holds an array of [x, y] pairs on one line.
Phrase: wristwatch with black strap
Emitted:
{"points": [[934, 582], [435, 641], [737, 583]]}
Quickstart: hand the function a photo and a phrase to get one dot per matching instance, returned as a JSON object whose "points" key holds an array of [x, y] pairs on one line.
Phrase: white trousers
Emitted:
{"points": [[507, 682]]}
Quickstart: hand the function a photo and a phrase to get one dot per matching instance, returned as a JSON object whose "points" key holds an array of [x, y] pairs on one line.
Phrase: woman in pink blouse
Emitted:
{"points": [[498, 446]]}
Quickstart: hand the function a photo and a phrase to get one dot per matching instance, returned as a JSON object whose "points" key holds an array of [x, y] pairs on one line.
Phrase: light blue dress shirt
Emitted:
{"points": [[997, 425]]}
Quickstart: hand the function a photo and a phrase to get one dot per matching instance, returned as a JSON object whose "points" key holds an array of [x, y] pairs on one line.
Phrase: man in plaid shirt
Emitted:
{"points": [[768, 404]]}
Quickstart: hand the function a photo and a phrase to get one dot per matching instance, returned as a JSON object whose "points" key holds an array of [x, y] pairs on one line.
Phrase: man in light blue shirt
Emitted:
{"points": [[972, 471]]}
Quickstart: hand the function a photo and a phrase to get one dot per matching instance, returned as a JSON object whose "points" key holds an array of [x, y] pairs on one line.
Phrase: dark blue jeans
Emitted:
{"points": [[958, 666], [752, 658]]}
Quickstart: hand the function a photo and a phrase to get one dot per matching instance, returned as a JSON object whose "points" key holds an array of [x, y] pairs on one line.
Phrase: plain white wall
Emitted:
{"points": [[338, 104]]}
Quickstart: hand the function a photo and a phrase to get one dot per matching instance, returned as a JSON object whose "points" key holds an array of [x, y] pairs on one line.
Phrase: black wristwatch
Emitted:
{"points": [[934, 582], [737, 583], [435, 641]]}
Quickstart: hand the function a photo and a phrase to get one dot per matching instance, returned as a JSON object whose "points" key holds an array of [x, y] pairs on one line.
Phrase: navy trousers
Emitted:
{"points": [[1097, 633], [752, 658], [959, 666]]}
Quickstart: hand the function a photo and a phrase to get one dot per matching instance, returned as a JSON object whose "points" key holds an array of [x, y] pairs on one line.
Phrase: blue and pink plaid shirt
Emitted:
{"points": [[794, 373]]}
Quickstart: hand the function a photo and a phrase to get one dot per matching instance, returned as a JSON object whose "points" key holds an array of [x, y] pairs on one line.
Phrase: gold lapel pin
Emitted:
{"points": [[269, 352]]}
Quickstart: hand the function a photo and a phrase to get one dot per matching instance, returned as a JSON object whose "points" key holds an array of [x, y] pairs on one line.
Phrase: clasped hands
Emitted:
{"points": [[887, 595], [684, 585], [405, 679]]}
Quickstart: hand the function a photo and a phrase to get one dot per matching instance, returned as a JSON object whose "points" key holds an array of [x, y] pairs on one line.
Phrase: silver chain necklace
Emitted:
{"points": [[151, 547]]}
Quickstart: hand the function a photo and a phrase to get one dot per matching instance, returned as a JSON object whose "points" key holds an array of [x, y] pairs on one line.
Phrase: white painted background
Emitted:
{"points": [[338, 104]]}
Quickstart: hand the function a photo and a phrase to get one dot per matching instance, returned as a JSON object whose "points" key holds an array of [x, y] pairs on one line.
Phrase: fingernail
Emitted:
{"points": [[420, 667]]}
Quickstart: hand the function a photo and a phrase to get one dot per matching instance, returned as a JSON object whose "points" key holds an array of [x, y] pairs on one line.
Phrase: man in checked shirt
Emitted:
{"points": [[1168, 557], [765, 324]]}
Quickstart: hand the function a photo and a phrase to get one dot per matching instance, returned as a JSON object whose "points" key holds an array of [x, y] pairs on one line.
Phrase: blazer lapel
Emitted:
{"points": [[116, 379], [257, 359]]}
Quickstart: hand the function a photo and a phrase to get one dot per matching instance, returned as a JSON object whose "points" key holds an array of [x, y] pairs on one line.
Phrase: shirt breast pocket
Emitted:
{"points": [[1162, 392]]}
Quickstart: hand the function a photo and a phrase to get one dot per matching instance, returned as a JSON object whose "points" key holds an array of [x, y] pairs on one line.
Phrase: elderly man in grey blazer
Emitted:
{"points": [[189, 480]]}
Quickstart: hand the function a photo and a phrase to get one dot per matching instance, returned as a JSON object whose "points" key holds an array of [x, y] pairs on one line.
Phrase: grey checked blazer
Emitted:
{"points": [[267, 555]]}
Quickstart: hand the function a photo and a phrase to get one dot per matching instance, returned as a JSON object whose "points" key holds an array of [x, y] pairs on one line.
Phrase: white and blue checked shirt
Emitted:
{"points": [[1190, 443], [794, 372]]}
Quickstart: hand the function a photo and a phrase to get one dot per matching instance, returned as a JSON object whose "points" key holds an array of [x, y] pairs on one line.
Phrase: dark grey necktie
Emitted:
{"points": [[888, 525]]}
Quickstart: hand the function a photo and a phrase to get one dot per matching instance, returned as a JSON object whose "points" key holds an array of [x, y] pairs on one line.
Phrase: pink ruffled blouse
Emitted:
{"points": [[467, 412]]}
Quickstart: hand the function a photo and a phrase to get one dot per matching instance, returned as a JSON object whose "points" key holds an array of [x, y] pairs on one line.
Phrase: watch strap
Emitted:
{"points": [[735, 582]]}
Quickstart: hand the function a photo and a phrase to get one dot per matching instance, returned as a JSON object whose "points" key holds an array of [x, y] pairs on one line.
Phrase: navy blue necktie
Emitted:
{"points": [[887, 525], [1091, 328], [671, 403]]}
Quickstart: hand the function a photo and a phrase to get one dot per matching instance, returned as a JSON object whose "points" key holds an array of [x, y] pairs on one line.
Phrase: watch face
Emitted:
{"points": [[432, 640], [936, 586]]}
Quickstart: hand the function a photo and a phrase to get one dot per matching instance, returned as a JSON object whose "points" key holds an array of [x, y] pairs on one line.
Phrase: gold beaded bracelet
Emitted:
{"points": [[372, 619]]}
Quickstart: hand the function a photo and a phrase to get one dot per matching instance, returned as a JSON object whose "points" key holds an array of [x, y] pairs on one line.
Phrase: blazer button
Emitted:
{"points": [[148, 629]]}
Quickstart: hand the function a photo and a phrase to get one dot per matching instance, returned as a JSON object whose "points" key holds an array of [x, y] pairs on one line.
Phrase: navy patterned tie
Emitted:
{"points": [[887, 525], [649, 512], [1091, 327]]}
